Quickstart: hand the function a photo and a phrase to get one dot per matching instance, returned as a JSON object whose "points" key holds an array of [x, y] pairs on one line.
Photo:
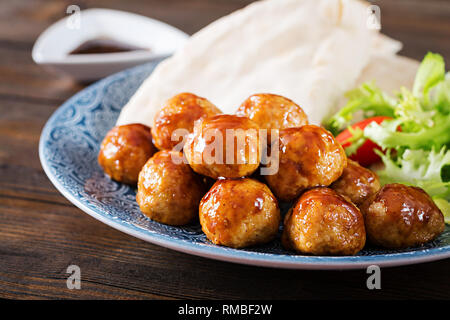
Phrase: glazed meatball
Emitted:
{"points": [[239, 213], [179, 112], [168, 190], [225, 146], [271, 111], [400, 216], [323, 222], [125, 150], [307, 157], [357, 183]]}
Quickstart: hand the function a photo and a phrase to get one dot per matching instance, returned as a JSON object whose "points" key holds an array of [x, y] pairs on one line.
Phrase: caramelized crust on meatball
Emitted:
{"points": [[271, 111], [124, 151], [239, 213], [179, 112], [400, 216], [225, 146], [357, 183], [168, 190], [308, 157], [324, 223]]}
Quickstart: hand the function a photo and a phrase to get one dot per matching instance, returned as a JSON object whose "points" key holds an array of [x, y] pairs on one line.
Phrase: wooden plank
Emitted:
{"points": [[22, 79]]}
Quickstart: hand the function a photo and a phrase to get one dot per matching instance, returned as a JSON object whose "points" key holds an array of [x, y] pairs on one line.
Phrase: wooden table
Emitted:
{"points": [[41, 233]]}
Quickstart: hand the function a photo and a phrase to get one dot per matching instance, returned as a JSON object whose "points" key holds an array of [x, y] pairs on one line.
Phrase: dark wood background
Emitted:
{"points": [[41, 233]]}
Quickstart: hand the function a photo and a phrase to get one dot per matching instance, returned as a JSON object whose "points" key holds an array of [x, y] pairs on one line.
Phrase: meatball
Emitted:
{"points": [[357, 183], [225, 146], [307, 157], [239, 213], [271, 111], [125, 150], [168, 190], [179, 112], [323, 222], [400, 216]]}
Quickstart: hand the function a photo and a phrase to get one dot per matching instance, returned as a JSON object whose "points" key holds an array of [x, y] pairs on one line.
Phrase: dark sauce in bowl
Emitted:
{"points": [[104, 45]]}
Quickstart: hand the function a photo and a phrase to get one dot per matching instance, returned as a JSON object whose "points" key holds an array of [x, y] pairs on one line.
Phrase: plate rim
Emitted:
{"points": [[225, 254]]}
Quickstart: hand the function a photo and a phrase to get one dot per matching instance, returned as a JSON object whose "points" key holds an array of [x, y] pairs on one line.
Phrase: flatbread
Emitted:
{"points": [[390, 72], [311, 51]]}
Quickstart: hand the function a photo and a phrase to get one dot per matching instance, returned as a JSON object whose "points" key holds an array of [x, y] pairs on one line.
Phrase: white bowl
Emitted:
{"points": [[53, 46]]}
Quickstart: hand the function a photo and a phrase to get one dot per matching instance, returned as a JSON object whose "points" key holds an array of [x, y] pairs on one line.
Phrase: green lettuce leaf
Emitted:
{"points": [[410, 112], [440, 96], [417, 166], [444, 206], [369, 99], [431, 71], [427, 137]]}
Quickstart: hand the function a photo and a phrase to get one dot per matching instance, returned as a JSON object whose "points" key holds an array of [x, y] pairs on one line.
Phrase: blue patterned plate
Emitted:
{"points": [[68, 151]]}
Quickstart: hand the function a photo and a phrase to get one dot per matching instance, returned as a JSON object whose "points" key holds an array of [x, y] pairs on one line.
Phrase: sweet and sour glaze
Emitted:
{"points": [[400, 216], [168, 190], [308, 157], [356, 183], [323, 222], [179, 112], [271, 111], [224, 146], [124, 151], [239, 213]]}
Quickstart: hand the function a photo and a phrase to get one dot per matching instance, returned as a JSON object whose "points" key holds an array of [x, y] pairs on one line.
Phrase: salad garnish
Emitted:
{"points": [[413, 137]]}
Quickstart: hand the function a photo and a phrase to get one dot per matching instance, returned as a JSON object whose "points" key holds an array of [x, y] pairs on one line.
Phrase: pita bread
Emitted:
{"points": [[311, 51], [390, 72]]}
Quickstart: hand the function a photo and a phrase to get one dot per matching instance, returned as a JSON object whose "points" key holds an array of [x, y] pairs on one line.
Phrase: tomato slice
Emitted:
{"points": [[365, 155]]}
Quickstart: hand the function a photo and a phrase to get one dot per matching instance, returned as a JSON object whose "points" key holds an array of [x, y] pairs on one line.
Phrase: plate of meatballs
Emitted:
{"points": [[262, 186]]}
